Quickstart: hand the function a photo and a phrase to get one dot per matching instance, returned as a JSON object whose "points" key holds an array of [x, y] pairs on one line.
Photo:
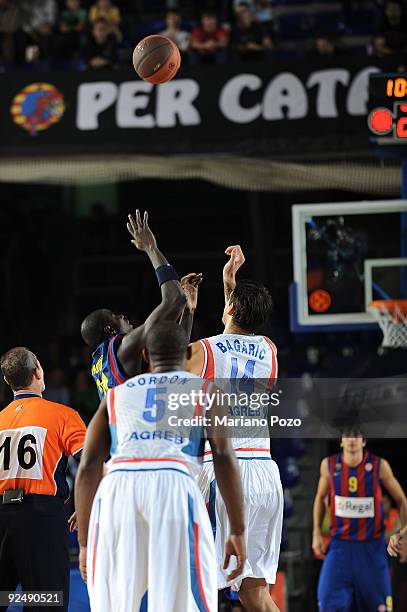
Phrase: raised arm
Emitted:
{"points": [[144, 240], [230, 486], [236, 260], [190, 284], [318, 545], [172, 296], [89, 475]]}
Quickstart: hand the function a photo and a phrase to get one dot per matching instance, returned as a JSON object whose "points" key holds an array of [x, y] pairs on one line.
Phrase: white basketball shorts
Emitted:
{"points": [[264, 503], [149, 530]]}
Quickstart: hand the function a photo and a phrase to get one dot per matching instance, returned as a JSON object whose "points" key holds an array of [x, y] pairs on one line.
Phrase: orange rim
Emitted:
{"points": [[390, 305], [397, 309]]}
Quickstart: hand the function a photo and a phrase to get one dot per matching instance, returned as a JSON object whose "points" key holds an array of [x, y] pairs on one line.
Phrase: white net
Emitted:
{"points": [[391, 315], [245, 173]]}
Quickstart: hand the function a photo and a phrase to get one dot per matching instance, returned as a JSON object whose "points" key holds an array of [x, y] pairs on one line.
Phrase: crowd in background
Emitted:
{"points": [[67, 376], [82, 34]]}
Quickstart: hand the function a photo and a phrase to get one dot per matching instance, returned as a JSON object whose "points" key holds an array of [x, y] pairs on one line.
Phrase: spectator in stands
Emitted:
{"points": [[209, 41], [249, 39], [101, 48], [174, 32], [9, 22], [72, 24], [392, 35], [325, 47], [379, 47], [261, 10], [39, 17], [104, 9]]}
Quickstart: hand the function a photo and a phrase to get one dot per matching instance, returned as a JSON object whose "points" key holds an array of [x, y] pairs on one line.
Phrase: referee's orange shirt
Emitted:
{"points": [[36, 439]]}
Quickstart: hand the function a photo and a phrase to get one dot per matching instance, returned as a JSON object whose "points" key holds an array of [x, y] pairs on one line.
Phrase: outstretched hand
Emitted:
{"points": [[190, 284], [235, 262], [143, 237]]}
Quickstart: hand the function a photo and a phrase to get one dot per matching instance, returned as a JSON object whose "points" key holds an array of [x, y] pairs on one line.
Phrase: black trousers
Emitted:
{"points": [[34, 548]]}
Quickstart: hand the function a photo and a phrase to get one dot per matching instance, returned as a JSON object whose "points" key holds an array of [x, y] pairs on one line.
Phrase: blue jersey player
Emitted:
{"points": [[117, 346], [355, 571]]}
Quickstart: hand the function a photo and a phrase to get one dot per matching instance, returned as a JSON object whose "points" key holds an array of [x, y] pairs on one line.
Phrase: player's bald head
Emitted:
{"points": [[167, 341], [93, 328]]}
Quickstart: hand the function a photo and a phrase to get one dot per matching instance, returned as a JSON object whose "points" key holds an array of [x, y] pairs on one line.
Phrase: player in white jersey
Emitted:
{"points": [[239, 360], [145, 525]]}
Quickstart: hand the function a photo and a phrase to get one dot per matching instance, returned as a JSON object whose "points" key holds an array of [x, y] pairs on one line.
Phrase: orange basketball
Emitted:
{"points": [[156, 59], [320, 300]]}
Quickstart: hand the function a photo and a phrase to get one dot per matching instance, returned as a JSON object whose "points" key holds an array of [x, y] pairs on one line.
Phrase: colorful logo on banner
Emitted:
{"points": [[37, 107]]}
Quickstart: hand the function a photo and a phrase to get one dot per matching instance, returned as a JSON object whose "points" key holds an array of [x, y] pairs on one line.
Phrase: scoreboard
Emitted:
{"points": [[387, 109]]}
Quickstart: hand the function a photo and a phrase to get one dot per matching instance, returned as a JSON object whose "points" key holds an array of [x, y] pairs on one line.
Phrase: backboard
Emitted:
{"points": [[340, 253]]}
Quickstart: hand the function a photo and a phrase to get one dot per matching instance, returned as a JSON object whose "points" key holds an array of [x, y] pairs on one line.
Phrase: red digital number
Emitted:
{"points": [[401, 128], [401, 125]]}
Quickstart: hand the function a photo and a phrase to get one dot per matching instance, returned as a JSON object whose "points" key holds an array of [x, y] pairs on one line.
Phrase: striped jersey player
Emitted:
{"points": [[149, 529], [355, 570], [242, 364], [242, 361], [107, 370], [355, 499], [117, 346]]}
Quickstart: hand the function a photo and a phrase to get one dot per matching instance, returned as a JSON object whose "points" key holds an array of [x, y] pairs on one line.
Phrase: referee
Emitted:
{"points": [[36, 438]]}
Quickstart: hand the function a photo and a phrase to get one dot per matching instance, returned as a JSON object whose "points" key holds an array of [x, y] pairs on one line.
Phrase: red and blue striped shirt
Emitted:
{"points": [[355, 496], [106, 369]]}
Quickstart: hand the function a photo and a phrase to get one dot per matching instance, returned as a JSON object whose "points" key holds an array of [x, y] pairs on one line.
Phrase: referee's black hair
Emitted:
{"points": [[253, 305], [93, 328], [18, 366], [167, 341]]}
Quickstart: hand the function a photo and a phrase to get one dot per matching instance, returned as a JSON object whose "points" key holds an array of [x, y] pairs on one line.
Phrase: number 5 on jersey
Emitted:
{"points": [[154, 407]]}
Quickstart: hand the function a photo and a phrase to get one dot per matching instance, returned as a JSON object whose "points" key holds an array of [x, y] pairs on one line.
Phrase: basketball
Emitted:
{"points": [[156, 59]]}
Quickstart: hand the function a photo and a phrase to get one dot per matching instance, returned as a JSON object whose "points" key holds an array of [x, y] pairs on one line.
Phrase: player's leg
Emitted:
{"points": [[182, 562], [232, 597], [217, 516], [372, 577], [254, 594], [335, 587], [264, 517], [117, 545]]}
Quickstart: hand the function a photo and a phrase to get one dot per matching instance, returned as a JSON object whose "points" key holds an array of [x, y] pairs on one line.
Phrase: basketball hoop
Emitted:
{"points": [[391, 315]]}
